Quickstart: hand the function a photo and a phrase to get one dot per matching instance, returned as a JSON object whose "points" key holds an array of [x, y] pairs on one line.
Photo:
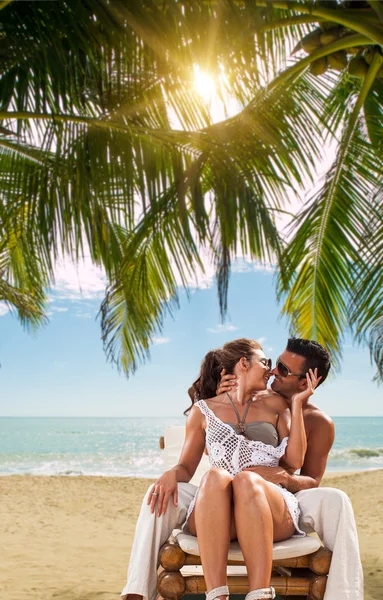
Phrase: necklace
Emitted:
{"points": [[241, 425]]}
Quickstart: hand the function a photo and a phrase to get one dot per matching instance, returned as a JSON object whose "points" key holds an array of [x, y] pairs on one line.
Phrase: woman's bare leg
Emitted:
{"points": [[211, 521], [261, 517]]}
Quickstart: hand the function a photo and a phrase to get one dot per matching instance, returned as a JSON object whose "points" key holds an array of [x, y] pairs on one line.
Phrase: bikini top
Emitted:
{"points": [[260, 431]]}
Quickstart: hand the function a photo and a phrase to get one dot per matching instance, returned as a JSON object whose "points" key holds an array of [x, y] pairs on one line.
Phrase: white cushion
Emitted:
{"points": [[290, 548]]}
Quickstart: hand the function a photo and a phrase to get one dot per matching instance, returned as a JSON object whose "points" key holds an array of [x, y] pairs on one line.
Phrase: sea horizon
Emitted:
{"points": [[151, 417]]}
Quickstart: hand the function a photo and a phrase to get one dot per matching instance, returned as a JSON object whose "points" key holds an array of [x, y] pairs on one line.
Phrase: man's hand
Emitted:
{"points": [[312, 382], [162, 490], [227, 383], [276, 475]]}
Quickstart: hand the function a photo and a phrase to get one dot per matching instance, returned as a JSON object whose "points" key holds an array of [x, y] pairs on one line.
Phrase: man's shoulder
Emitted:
{"points": [[317, 420]]}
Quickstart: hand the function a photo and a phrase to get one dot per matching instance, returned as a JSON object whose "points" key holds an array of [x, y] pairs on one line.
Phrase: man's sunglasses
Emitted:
{"points": [[284, 371]]}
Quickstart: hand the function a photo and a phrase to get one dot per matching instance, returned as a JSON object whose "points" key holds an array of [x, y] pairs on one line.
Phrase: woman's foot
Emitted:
{"points": [[261, 594], [218, 593]]}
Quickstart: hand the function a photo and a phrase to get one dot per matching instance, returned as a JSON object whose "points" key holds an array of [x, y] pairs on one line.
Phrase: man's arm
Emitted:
{"points": [[321, 434], [320, 438]]}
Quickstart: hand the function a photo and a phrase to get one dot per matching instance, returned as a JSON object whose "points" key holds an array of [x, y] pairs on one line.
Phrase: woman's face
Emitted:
{"points": [[258, 373]]}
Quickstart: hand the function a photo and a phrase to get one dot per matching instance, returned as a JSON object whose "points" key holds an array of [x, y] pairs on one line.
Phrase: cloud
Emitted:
{"points": [[82, 315], [82, 281], [160, 340], [244, 264], [59, 309], [222, 328], [203, 278], [3, 309], [261, 340]]}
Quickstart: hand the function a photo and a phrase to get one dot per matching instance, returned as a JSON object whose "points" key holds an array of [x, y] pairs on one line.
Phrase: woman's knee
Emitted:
{"points": [[216, 479], [248, 483]]}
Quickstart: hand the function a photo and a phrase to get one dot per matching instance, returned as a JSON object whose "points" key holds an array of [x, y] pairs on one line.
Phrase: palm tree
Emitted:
{"points": [[90, 156]]}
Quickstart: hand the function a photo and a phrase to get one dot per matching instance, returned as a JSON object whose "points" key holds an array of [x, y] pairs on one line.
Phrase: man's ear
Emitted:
{"points": [[302, 383]]}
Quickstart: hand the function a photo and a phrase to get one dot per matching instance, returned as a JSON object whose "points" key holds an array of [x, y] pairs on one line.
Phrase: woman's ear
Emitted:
{"points": [[243, 363]]}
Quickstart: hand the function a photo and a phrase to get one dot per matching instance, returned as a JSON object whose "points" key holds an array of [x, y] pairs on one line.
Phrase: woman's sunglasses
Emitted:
{"points": [[284, 371], [267, 362]]}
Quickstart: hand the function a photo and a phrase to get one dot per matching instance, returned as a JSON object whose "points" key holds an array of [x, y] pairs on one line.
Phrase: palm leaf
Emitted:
{"points": [[373, 111], [366, 303], [320, 258]]}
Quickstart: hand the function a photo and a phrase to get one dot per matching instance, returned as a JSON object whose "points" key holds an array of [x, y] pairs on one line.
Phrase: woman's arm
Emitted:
{"points": [[166, 485], [297, 445], [193, 447]]}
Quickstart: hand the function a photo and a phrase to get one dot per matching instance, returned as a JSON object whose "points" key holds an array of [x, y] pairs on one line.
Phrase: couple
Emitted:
{"points": [[246, 484]]}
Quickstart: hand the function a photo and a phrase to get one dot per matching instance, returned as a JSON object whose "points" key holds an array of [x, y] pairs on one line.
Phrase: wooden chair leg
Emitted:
{"points": [[317, 587], [172, 557], [171, 585]]}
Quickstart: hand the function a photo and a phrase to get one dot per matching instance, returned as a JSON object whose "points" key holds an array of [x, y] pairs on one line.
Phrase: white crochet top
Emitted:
{"points": [[233, 452]]}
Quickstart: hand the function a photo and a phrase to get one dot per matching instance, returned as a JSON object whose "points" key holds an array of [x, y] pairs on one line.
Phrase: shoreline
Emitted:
{"points": [[327, 475], [70, 537]]}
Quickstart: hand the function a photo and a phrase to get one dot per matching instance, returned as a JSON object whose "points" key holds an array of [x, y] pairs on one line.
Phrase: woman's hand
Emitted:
{"points": [[312, 383], [226, 383], [164, 487]]}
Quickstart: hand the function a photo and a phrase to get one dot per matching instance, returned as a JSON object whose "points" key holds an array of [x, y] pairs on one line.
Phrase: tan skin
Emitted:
{"points": [[320, 431], [226, 505]]}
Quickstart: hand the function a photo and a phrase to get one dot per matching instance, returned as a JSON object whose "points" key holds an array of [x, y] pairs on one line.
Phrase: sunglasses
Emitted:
{"points": [[267, 362], [284, 371]]}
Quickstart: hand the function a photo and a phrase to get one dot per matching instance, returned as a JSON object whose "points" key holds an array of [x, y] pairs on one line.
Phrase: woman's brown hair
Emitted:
{"points": [[224, 358]]}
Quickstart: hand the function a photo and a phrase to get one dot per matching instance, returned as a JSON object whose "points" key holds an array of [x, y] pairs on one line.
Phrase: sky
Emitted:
{"points": [[62, 369]]}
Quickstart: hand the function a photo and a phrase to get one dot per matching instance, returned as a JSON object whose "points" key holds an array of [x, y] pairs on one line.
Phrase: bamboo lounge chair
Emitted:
{"points": [[300, 565]]}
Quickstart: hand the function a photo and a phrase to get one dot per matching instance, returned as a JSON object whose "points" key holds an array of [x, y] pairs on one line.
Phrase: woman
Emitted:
{"points": [[233, 502]]}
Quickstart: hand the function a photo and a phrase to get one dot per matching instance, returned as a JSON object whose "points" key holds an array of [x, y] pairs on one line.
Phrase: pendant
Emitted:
{"points": [[241, 428]]}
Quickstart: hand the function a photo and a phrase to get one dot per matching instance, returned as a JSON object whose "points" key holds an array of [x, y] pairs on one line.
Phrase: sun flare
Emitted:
{"points": [[204, 85]]}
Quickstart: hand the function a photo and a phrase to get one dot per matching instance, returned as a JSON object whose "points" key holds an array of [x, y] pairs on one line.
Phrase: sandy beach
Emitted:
{"points": [[69, 538]]}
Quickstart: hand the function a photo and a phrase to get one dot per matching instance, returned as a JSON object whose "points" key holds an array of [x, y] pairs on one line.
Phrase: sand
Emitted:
{"points": [[69, 538]]}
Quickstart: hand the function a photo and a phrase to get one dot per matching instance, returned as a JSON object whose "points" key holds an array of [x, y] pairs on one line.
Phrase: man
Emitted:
{"points": [[325, 510], [290, 378]]}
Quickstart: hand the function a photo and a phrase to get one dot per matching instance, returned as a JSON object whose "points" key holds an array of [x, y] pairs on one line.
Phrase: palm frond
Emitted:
{"points": [[29, 305], [23, 274], [319, 260], [163, 252], [155, 261], [366, 301], [373, 112]]}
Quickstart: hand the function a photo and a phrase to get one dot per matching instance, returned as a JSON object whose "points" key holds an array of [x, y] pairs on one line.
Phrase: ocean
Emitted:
{"points": [[129, 447]]}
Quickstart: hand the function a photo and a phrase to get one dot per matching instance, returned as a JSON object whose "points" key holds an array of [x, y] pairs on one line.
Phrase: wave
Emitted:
{"points": [[147, 463], [357, 454], [95, 464]]}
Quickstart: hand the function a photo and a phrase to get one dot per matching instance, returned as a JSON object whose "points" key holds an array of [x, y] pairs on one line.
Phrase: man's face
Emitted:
{"points": [[290, 385]]}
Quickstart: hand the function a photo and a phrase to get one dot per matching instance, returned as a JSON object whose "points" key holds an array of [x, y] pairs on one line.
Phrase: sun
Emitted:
{"points": [[204, 85]]}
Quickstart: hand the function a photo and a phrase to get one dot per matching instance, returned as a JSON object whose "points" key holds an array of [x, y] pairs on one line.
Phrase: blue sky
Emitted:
{"points": [[62, 370]]}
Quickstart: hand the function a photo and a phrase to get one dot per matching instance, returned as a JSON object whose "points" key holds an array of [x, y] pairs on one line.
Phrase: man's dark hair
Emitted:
{"points": [[315, 354]]}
